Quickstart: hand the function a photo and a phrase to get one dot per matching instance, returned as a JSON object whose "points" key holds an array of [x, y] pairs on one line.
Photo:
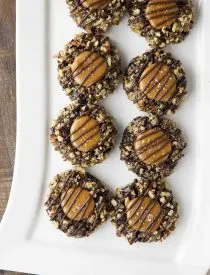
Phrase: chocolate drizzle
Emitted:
{"points": [[87, 140], [80, 4], [81, 24], [83, 124], [131, 206], [171, 17], [161, 9], [83, 134], [59, 194], [66, 132], [146, 233], [156, 151], [178, 2], [155, 142], [146, 211], [145, 91], [71, 205], [89, 10], [81, 211], [137, 79], [79, 86], [81, 65], [161, 13], [88, 75], [150, 104], [152, 146], [146, 135], [87, 135], [87, 68], [165, 78], [64, 190], [150, 227], [77, 203]]}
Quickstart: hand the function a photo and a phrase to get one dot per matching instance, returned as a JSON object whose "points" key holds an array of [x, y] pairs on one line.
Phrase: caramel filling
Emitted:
{"points": [[88, 68], [161, 13], [158, 82], [85, 133], [77, 203], [95, 4], [153, 146], [143, 214]]}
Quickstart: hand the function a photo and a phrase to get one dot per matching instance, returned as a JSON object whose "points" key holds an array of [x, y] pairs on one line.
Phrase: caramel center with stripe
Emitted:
{"points": [[95, 4], [143, 214], [77, 203], [153, 146], [85, 133], [88, 68], [158, 82], [161, 13]]}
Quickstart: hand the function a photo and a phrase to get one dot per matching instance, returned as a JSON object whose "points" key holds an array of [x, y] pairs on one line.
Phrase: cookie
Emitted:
{"points": [[161, 21], [77, 203], [155, 82], [84, 136], [152, 146], [89, 68], [96, 15], [144, 211]]}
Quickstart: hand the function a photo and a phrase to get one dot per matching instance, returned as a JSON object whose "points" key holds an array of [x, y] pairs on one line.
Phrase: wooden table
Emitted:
{"points": [[7, 102]]}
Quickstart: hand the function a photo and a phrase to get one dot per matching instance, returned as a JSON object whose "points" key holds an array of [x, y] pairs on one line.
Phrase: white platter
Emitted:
{"points": [[28, 241]]}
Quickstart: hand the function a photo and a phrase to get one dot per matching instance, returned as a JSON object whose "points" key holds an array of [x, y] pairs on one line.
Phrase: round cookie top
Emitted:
{"points": [[161, 13], [144, 211], [153, 146], [155, 82], [88, 68], [161, 22], [158, 82], [85, 133], [77, 203], [143, 214]]}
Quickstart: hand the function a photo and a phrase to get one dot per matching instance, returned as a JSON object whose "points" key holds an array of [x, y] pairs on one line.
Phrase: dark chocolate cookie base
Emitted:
{"points": [[134, 72], [176, 33], [102, 88], [97, 20], [132, 160], [60, 135], [75, 178], [153, 190]]}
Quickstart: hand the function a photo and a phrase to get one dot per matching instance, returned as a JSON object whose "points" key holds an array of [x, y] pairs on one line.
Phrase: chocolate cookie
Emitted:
{"points": [[96, 15], [77, 203], [144, 211], [83, 135], [152, 146], [89, 68], [155, 82], [161, 21]]}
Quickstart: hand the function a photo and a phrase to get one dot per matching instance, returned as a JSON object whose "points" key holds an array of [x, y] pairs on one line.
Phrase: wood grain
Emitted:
{"points": [[7, 98], [7, 102]]}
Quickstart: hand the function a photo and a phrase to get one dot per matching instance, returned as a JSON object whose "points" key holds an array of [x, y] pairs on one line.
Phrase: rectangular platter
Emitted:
{"points": [[28, 241]]}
